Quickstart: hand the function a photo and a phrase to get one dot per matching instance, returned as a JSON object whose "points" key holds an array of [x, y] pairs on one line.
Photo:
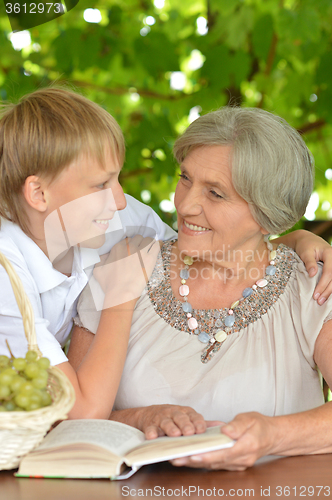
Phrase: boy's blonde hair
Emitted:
{"points": [[43, 134]]}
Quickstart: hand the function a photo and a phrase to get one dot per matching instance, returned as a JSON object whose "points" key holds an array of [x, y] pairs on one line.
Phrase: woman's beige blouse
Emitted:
{"points": [[266, 366]]}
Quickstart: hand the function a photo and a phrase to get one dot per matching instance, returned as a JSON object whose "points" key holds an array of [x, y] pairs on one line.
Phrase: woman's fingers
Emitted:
{"points": [[171, 420], [214, 423], [252, 432]]}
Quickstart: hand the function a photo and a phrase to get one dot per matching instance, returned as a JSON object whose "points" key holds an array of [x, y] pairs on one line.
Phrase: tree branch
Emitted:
{"points": [[269, 62], [124, 90], [308, 127], [133, 173], [211, 17], [321, 228], [271, 54]]}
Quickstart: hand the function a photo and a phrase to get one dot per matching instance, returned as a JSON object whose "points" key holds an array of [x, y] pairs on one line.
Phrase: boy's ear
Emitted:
{"points": [[33, 192]]}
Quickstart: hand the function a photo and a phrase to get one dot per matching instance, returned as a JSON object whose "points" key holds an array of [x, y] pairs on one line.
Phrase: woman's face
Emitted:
{"points": [[213, 220]]}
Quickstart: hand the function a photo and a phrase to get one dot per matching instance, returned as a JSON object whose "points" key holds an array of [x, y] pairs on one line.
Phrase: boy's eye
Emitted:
{"points": [[102, 186]]}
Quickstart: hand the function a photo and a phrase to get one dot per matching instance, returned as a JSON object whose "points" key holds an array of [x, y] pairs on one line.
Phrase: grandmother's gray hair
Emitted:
{"points": [[272, 168]]}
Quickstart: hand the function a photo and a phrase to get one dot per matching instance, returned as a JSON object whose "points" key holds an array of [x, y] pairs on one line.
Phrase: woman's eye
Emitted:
{"points": [[216, 195]]}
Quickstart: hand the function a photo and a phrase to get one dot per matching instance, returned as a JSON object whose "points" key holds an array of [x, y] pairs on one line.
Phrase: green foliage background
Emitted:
{"points": [[267, 53]]}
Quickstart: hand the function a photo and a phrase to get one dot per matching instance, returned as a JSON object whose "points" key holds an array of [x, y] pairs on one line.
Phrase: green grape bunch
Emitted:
{"points": [[23, 383]]}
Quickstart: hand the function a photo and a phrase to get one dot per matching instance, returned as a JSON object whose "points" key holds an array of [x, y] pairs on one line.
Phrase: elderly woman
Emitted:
{"points": [[228, 326]]}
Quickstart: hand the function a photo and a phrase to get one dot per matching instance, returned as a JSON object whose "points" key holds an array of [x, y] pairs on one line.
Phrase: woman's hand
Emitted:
{"points": [[254, 435], [163, 420], [312, 249], [125, 271]]}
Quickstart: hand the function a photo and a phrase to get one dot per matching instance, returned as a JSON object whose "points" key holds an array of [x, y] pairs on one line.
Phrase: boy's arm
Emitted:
{"points": [[122, 279], [172, 420], [312, 249], [96, 363]]}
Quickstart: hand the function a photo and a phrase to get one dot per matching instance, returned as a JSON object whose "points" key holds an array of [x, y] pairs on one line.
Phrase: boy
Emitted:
{"points": [[60, 157], [60, 201]]}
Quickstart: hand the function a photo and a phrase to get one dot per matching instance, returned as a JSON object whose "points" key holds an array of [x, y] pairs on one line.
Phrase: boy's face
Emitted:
{"points": [[85, 197]]}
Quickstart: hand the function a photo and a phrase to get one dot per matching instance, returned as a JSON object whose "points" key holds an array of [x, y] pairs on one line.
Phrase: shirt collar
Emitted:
{"points": [[89, 257], [40, 267]]}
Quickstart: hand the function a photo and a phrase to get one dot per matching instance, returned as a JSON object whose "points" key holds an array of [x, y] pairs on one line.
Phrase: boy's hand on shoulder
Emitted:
{"points": [[312, 249]]}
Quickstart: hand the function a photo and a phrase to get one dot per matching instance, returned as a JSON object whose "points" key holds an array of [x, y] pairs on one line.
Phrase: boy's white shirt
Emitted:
{"points": [[52, 294]]}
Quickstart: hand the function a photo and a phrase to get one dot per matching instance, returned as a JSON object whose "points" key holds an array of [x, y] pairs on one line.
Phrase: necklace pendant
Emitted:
{"points": [[204, 338], [192, 323], [273, 254], [247, 292], [229, 320], [186, 307], [270, 270], [188, 260], [220, 336], [184, 290], [184, 274], [261, 283]]}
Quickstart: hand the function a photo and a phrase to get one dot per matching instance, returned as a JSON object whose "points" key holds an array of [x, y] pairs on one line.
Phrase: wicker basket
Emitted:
{"points": [[21, 431]]}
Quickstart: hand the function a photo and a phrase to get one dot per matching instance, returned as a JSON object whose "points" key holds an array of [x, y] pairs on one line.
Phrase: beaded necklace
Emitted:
{"points": [[224, 327]]}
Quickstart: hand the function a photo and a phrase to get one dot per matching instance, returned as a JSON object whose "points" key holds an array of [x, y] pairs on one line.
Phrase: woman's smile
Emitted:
{"points": [[193, 229]]}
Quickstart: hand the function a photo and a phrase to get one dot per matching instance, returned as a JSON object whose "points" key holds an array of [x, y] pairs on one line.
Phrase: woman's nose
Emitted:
{"points": [[191, 203]]}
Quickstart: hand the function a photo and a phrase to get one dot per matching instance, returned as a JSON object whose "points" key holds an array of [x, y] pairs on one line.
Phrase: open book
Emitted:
{"points": [[103, 448]]}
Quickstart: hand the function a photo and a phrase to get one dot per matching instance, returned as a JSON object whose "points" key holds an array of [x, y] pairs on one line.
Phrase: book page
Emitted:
{"points": [[113, 436], [166, 448]]}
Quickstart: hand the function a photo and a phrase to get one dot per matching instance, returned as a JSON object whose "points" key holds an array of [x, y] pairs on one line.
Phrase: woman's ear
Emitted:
{"points": [[264, 231], [33, 192]]}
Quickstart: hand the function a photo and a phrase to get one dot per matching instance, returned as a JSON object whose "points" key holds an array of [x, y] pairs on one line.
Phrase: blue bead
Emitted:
{"points": [[184, 274], [187, 308], [246, 292], [203, 337], [229, 320], [270, 270]]}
